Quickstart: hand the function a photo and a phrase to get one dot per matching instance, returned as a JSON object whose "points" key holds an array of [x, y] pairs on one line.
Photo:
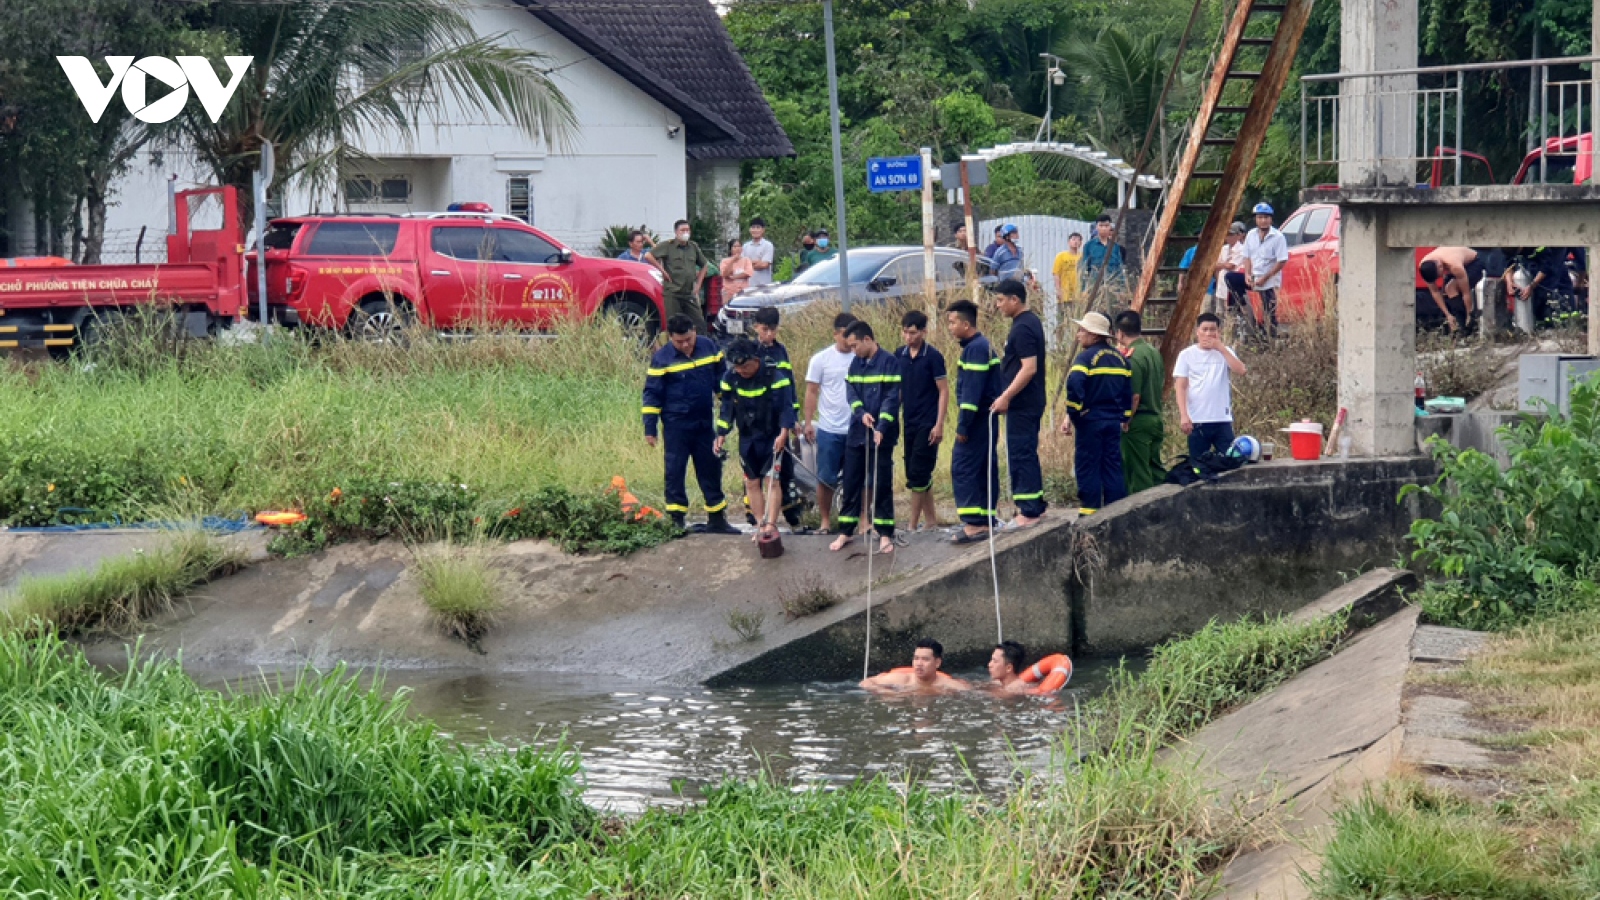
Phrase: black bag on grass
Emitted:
{"points": [[1206, 467]]}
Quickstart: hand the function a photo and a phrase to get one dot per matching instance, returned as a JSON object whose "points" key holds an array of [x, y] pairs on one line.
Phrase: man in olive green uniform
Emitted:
{"points": [[685, 267], [1144, 433]]}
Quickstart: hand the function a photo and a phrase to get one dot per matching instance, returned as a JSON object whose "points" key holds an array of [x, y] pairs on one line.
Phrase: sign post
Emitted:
{"points": [[263, 180], [929, 289]]}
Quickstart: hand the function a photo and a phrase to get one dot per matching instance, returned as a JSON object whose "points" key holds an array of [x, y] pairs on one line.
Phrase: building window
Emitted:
{"points": [[385, 189], [519, 197], [391, 59]]}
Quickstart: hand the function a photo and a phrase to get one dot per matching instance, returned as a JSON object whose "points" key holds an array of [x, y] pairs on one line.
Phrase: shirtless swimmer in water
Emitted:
{"points": [[923, 677]]}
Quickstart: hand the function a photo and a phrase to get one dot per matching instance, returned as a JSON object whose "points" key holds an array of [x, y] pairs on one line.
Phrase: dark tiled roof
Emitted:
{"points": [[678, 52]]}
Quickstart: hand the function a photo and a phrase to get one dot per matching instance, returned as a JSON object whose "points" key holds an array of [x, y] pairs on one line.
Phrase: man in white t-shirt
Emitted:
{"points": [[1203, 383], [827, 413], [1266, 252], [760, 252]]}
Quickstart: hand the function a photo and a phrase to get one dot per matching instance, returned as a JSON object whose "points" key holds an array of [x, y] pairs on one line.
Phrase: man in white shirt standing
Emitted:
{"points": [[760, 252], [1203, 383], [1229, 290], [1265, 254], [827, 413]]}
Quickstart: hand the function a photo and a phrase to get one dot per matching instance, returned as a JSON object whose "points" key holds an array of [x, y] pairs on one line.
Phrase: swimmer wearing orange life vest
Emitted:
{"points": [[1008, 675], [921, 677]]}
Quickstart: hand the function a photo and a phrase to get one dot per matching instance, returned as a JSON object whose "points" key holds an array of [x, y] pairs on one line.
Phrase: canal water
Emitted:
{"points": [[644, 744]]}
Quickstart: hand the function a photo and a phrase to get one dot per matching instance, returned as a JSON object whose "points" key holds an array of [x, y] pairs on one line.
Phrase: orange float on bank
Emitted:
{"points": [[280, 519]]}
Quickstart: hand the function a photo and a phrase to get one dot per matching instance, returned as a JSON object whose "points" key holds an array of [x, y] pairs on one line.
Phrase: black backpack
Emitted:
{"points": [[1205, 467]]}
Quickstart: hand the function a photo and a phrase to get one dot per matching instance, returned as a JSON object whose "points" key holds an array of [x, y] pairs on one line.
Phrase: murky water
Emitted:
{"points": [[640, 741]]}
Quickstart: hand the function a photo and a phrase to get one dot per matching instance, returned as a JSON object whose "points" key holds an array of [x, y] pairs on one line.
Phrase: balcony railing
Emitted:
{"points": [[1416, 118]]}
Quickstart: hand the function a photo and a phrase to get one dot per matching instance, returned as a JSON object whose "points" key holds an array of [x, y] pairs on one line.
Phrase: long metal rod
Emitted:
{"points": [[1465, 67], [1544, 124], [1460, 98], [838, 163], [1303, 140]]}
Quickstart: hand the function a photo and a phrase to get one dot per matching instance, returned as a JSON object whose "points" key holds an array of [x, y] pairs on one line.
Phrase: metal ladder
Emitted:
{"points": [[1229, 127]]}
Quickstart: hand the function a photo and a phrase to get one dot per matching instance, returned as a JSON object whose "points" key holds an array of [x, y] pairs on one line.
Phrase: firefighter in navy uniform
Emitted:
{"points": [[1099, 407], [775, 354], [680, 390], [977, 384], [873, 388], [759, 400]]}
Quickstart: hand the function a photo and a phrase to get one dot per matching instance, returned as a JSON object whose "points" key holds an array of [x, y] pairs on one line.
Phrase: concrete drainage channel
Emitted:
{"points": [[1263, 540], [1297, 754]]}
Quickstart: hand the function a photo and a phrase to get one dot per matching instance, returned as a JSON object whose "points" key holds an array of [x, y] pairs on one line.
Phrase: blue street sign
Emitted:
{"points": [[894, 173]]}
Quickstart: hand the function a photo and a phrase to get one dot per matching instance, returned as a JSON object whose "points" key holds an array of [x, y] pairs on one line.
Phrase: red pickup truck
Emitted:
{"points": [[57, 306], [373, 274]]}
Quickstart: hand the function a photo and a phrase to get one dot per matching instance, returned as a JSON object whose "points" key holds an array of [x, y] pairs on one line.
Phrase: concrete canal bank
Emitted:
{"points": [[1268, 538]]}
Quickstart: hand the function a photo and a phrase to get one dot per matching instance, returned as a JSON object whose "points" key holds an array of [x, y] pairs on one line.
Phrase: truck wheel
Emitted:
{"points": [[637, 317], [381, 320]]}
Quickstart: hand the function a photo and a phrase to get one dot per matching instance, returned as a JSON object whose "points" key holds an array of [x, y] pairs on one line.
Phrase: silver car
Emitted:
{"points": [[877, 275]]}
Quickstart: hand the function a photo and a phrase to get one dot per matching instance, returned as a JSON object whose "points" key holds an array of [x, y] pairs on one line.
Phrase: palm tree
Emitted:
{"points": [[1124, 75], [328, 72]]}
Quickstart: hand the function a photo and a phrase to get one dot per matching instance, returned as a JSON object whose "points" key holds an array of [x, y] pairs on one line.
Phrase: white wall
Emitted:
{"points": [[619, 167]]}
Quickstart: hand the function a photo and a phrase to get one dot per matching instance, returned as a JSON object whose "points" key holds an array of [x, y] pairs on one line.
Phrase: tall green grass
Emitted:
{"points": [[120, 591], [144, 785]]}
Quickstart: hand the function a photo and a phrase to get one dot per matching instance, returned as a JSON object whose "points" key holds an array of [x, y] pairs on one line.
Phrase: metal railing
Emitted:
{"points": [[1423, 119]]}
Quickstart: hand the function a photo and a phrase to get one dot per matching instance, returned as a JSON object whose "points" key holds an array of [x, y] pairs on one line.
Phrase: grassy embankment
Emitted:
{"points": [[145, 785], [154, 424], [1517, 552]]}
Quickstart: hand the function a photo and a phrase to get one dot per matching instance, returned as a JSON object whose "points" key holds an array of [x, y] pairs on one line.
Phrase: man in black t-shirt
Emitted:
{"points": [[924, 400], [1022, 402]]}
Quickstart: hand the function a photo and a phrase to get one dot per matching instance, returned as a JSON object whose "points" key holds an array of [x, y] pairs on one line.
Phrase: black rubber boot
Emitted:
{"points": [[678, 522], [717, 523]]}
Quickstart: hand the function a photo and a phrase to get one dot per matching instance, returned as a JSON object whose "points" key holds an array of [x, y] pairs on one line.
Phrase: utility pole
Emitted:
{"points": [[1054, 77], [838, 165], [928, 291], [972, 234]]}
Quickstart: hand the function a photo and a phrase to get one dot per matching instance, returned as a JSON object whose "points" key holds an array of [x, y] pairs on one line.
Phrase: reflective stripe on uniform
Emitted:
{"points": [[1037, 496], [718, 508], [652, 410], [974, 511], [873, 379], [1102, 371], [684, 367], [970, 407]]}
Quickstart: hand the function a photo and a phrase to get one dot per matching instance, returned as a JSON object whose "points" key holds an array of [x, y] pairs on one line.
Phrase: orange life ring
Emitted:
{"points": [[280, 519], [1051, 673], [907, 670]]}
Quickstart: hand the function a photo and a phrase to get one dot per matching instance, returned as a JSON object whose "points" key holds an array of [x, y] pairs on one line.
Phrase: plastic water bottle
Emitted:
{"points": [[1344, 447], [1422, 393]]}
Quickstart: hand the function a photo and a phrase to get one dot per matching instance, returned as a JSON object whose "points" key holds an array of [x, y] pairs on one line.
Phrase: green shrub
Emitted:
{"points": [[368, 508], [1505, 538]]}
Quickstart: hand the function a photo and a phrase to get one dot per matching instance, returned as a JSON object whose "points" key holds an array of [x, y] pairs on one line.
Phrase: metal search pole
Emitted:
{"points": [[929, 292], [263, 180], [838, 165]]}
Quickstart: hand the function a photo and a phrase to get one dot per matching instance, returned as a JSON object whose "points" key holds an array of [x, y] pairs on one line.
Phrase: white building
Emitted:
{"points": [[666, 111]]}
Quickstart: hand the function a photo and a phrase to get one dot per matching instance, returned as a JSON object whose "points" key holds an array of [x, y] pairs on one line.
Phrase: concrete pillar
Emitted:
{"points": [[1378, 116], [1377, 336]]}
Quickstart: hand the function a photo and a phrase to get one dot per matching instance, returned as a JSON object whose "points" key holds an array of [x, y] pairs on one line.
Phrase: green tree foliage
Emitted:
{"points": [[1510, 540], [61, 160], [327, 72], [943, 74], [1124, 74]]}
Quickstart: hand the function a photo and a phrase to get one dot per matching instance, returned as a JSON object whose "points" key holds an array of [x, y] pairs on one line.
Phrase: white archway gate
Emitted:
{"points": [[1111, 165]]}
